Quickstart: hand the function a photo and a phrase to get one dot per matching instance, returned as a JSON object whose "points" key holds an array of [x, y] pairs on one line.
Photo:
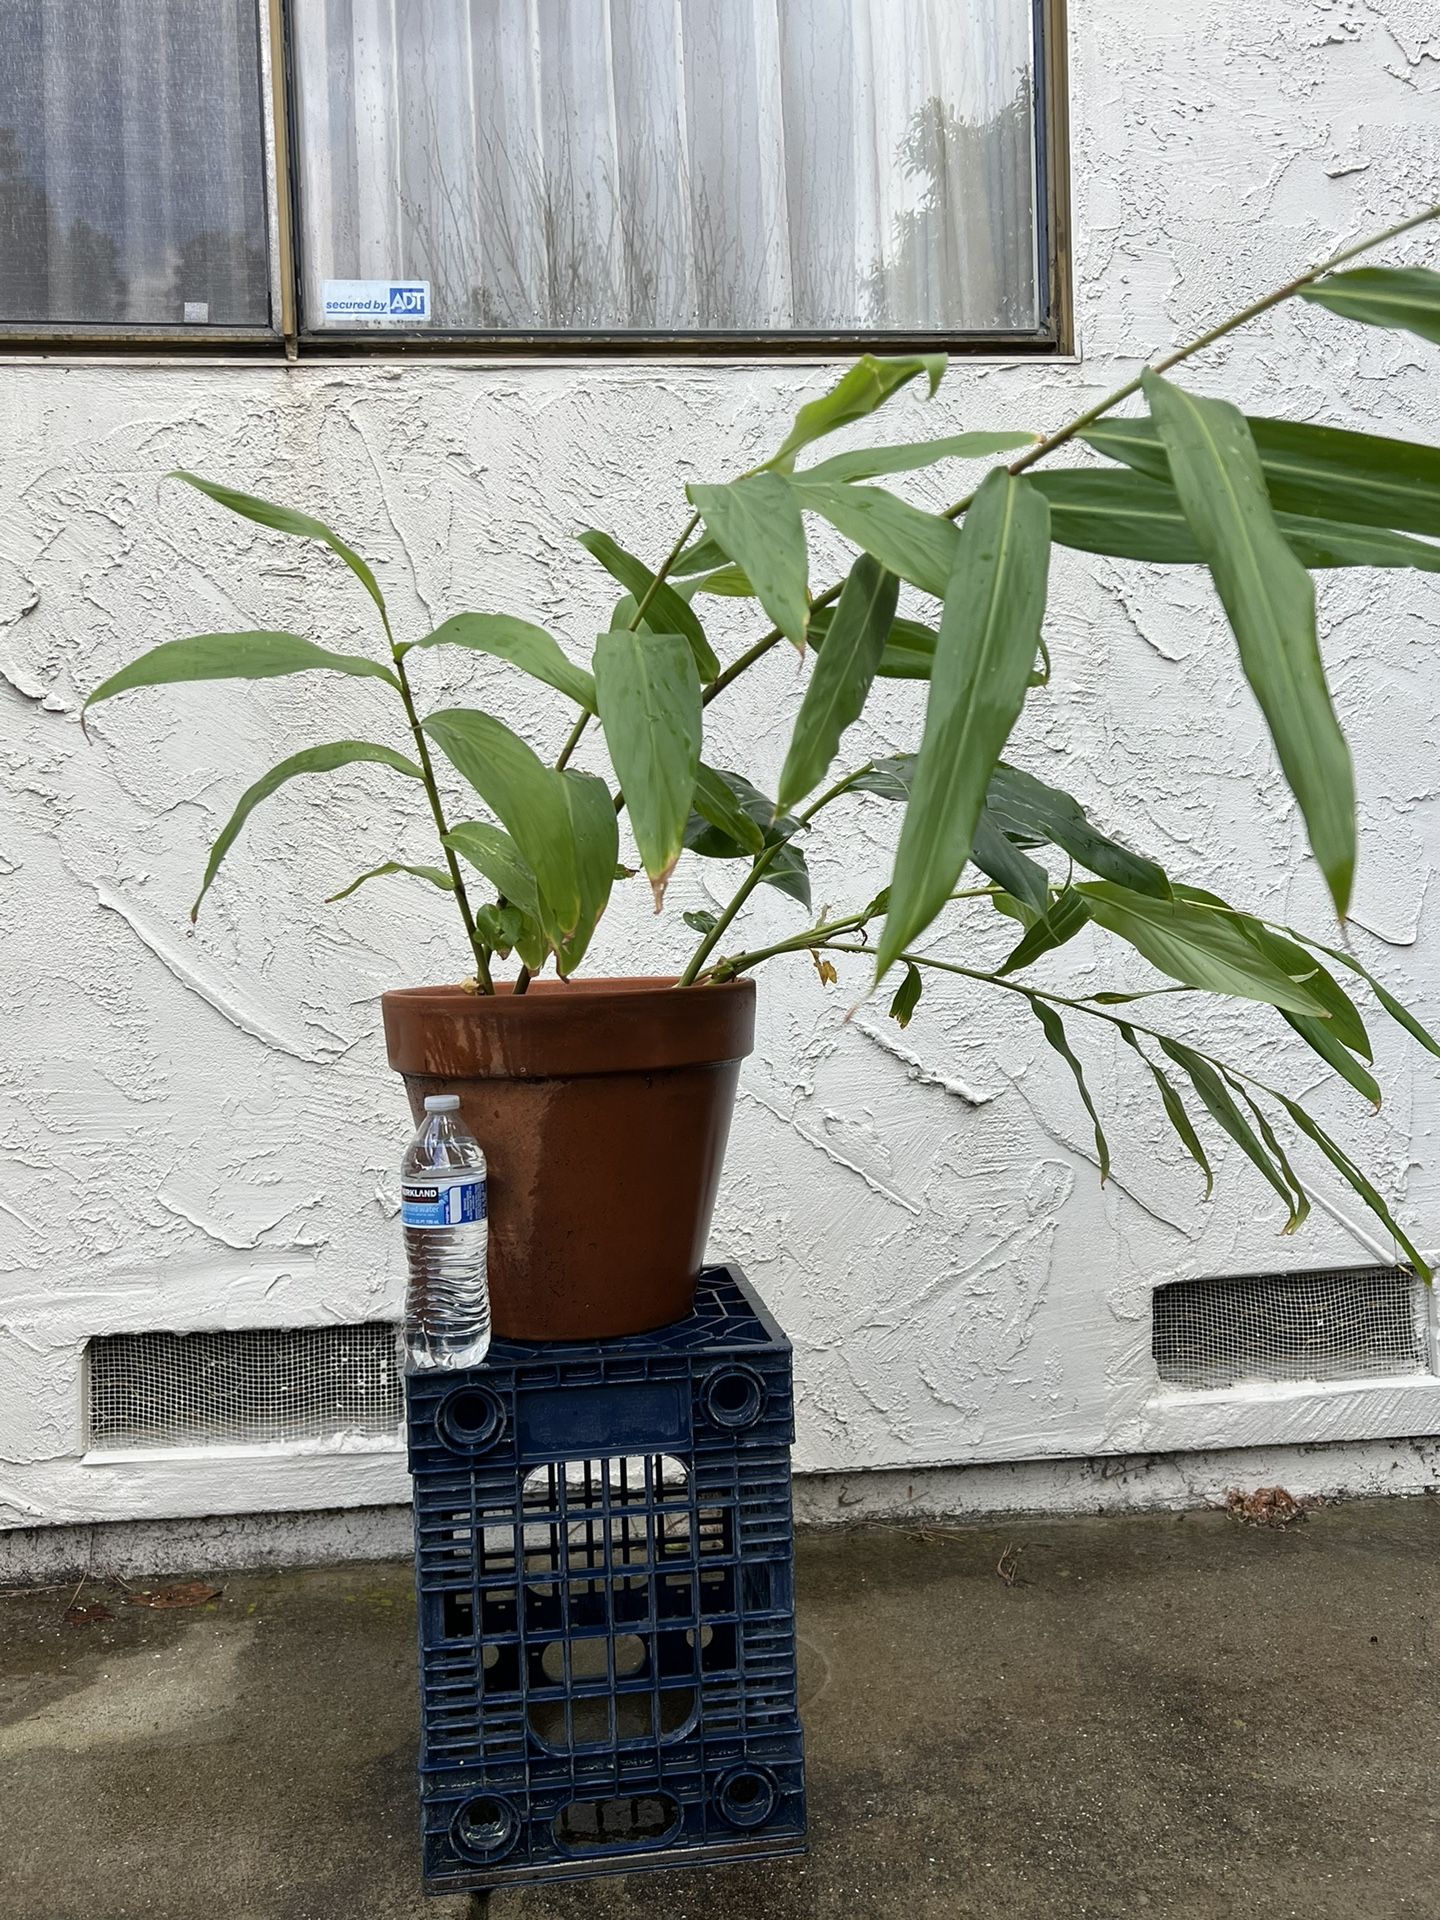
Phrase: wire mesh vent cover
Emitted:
{"points": [[244, 1388], [1348, 1324]]}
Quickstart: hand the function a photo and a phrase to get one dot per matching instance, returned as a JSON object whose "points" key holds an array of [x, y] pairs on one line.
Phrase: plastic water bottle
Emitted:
{"points": [[444, 1213]]}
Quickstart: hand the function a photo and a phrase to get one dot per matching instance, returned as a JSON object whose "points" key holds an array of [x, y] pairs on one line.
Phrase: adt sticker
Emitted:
{"points": [[376, 303]]}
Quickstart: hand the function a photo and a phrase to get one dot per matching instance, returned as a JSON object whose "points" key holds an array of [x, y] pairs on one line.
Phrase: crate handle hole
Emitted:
{"points": [[594, 1826], [485, 1827], [746, 1797], [470, 1419], [734, 1397]]}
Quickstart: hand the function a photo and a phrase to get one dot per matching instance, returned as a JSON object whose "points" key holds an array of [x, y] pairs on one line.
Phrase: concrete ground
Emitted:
{"points": [[1162, 1716]]}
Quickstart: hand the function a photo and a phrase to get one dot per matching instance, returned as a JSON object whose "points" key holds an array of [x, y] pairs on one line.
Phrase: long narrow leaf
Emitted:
{"points": [[1174, 1111], [492, 851], [858, 392], [437, 876], [994, 606], [339, 753], [527, 797], [1270, 602], [866, 463], [1197, 947], [1300, 1200], [1396, 1009], [841, 679], [909, 651], [649, 696], [1137, 516], [717, 802], [920, 547], [786, 872], [1355, 1179], [597, 847], [1033, 812], [234, 656], [520, 642], [1068, 916], [1404, 297], [285, 520], [667, 612], [1000, 860], [1055, 1033], [1223, 1111], [1312, 471], [757, 521]]}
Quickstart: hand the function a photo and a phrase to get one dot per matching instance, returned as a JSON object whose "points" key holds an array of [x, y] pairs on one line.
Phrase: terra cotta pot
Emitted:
{"points": [[603, 1107]]}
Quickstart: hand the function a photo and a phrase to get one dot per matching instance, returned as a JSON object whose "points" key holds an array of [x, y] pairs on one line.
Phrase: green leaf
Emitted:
{"points": [[524, 645], [1175, 1111], [1223, 1110], [701, 922], [909, 650], [528, 797], [437, 876], [1396, 1009], [668, 611], [1343, 1021], [1137, 517], [920, 547], [858, 392], [1317, 1034], [994, 605], [716, 800], [1354, 1178], [786, 871], [340, 753], [1055, 1033], [701, 556], [1312, 471], [891, 779], [1270, 601], [596, 836], [1404, 297], [1300, 1200], [649, 695], [1032, 812], [495, 854], [507, 930], [728, 582], [1002, 861], [907, 997], [1199, 948], [865, 463], [234, 656], [758, 523], [286, 520], [1061, 923], [841, 677]]}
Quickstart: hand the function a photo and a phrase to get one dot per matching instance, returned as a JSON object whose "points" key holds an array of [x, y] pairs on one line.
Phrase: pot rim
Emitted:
{"points": [[552, 992]]}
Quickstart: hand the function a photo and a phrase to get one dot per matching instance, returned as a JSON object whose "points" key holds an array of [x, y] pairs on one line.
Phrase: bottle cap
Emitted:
{"points": [[442, 1103]]}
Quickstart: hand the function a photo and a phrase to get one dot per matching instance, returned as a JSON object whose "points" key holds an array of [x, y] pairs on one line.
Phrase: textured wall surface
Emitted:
{"points": [[198, 1128]]}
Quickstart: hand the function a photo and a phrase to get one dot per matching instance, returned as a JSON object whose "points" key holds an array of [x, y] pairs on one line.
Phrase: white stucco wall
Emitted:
{"points": [[198, 1129]]}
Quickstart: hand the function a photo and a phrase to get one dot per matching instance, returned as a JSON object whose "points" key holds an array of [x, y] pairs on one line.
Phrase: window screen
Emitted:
{"points": [[716, 166], [132, 173]]}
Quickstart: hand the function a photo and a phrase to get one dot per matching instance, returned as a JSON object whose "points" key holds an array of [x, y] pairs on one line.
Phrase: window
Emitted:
{"points": [[132, 165], [593, 173]]}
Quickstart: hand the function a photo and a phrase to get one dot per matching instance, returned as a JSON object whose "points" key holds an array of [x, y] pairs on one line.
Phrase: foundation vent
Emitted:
{"points": [[1361, 1323], [246, 1388]]}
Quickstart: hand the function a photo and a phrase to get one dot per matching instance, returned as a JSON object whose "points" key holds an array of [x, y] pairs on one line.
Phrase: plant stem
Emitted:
{"points": [[437, 812], [818, 936], [757, 874]]}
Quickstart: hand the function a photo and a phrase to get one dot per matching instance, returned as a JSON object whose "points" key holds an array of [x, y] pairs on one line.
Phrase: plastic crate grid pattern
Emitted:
{"points": [[605, 1572]]}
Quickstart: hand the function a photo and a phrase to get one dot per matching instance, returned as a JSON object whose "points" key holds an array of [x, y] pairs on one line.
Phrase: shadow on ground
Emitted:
{"points": [[1162, 1716]]}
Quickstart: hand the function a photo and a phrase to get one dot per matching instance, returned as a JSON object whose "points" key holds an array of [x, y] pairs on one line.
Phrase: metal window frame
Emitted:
{"points": [[287, 334], [69, 337]]}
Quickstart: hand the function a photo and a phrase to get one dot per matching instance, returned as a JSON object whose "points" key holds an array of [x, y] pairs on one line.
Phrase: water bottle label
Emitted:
{"points": [[442, 1203]]}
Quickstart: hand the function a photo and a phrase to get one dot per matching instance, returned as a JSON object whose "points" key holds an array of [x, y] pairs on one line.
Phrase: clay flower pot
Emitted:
{"points": [[603, 1107]]}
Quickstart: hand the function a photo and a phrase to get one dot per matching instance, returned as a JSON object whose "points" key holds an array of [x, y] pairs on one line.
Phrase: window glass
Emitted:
{"points": [[599, 166], [132, 173]]}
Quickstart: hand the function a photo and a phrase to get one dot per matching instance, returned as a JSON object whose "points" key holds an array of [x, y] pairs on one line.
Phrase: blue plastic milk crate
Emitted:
{"points": [[605, 1566]]}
